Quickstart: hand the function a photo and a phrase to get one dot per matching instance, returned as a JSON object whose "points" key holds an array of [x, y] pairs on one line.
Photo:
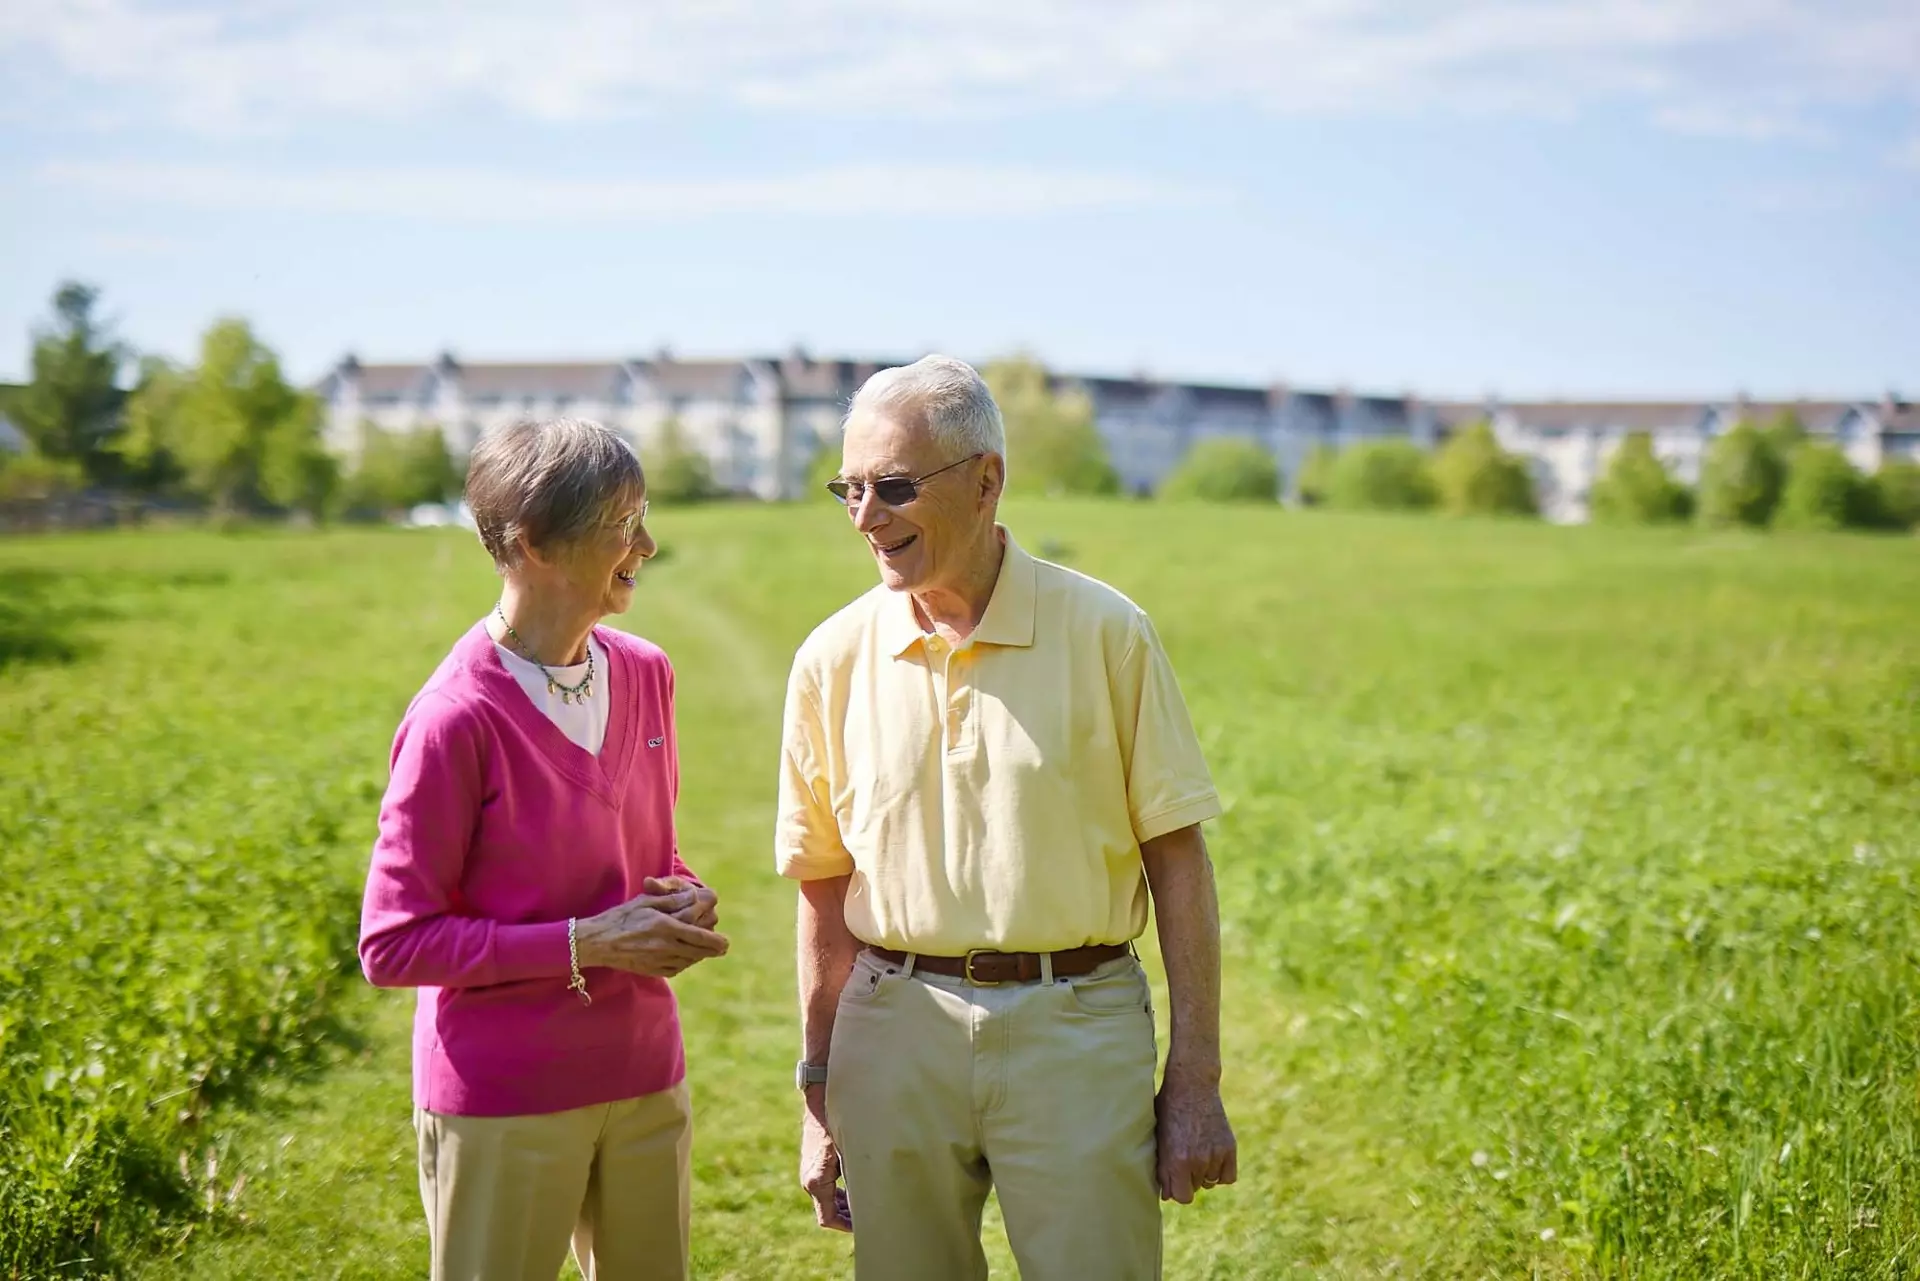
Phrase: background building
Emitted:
{"points": [[761, 421]]}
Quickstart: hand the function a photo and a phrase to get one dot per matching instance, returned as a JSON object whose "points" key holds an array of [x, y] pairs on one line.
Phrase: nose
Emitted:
{"points": [[869, 513], [644, 544]]}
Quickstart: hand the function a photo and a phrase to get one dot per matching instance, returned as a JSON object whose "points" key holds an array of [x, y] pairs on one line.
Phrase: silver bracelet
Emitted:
{"points": [[578, 983]]}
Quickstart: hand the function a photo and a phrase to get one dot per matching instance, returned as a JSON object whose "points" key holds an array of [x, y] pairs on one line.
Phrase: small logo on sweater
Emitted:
{"points": [[655, 742]]}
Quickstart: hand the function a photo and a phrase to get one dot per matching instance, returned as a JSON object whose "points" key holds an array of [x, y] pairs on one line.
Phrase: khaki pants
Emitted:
{"points": [[938, 1090], [505, 1194]]}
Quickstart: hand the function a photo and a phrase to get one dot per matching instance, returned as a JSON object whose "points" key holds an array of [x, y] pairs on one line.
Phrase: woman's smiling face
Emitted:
{"points": [[603, 565]]}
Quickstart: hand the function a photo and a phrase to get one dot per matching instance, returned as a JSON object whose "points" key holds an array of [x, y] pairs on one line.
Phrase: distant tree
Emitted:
{"points": [[1316, 475], [399, 470], [824, 467], [1053, 446], [1382, 475], [1474, 476], [70, 408], [1741, 478], [676, 472], [1896, 493], [241, 435], [1225, 471], [1637, 489], [1824, 491], [1786, 433], [435, 476]]}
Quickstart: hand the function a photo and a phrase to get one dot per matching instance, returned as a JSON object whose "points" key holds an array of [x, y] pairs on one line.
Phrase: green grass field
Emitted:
{"points": [[1570, 883]]}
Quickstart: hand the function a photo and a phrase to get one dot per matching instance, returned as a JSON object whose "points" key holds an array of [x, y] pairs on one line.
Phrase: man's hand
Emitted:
{"points": [[704, 911], [820, 1165], [1197, 1148]]}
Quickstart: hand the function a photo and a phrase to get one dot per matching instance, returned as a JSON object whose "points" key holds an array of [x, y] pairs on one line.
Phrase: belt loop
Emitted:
{"points": [[907, 970], [1046, 968]]}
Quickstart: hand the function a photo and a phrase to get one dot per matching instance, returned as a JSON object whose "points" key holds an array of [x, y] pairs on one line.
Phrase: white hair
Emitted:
{"points": [[948, 394]]}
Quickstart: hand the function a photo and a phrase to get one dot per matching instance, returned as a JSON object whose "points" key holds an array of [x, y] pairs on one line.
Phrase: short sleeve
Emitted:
{"points": [[1168, 786], [806, 840]]}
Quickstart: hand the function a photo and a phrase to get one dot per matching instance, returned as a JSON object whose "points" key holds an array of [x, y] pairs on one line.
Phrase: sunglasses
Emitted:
{"points": [[894, 491], [628, 527]]}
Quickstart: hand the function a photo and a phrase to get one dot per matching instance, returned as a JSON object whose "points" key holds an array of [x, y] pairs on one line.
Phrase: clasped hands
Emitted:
{"points": [[668, 927]]}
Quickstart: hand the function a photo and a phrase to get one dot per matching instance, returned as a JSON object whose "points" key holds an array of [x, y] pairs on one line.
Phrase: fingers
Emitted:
{"points": [[665, 884], [831, 1212], [668, 901], [690, 940], [830, 1208], [1176, 1180]]}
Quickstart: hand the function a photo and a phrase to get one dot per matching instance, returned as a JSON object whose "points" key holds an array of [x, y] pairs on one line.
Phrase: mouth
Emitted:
{"points": [[889, 550], [627, 577]]}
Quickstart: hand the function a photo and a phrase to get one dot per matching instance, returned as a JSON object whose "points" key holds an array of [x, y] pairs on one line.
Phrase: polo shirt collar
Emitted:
{"points": [[1010, 610]]}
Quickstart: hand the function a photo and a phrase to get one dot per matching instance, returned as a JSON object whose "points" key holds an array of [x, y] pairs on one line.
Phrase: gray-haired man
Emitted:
{"points": [[987, 766]]}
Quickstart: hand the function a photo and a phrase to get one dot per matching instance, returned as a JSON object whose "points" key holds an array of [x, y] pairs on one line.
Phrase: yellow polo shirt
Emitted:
{"points": [[992, 794]]}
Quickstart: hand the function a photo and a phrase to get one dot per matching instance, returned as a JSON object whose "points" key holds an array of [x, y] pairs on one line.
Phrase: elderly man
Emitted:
{"points": [[986, 766]]}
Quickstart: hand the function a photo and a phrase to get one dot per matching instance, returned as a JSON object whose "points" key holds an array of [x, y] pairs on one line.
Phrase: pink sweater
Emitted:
{"points": [[494, 830]]}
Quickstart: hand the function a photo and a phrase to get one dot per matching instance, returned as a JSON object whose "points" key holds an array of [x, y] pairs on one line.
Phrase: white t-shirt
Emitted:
{"points": [[584, 721]]}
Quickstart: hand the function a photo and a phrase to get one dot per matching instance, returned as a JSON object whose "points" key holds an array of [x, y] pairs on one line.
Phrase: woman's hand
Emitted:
{"points": [[647, 936], [705, 911]]}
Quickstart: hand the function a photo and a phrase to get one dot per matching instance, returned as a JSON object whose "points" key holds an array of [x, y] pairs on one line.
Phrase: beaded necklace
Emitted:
{"points": [[568, 693]]}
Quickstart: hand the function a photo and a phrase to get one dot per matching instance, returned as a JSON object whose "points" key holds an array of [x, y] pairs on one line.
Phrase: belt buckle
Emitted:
{"points": [[966, 968]]}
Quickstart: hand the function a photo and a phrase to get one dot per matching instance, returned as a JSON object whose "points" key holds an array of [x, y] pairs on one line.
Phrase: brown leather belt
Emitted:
{"points": [[987, 969]]}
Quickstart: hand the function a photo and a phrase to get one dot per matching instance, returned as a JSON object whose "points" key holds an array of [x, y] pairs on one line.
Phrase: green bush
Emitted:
{"points": [[1475, 477], [1741, 478], [399, 470], [33, 475], [1637, 489], [1896, 493], [1225, 471], [1316, 475], [1382, 475], [678, 473], [1824, 491], [824, 467], [1053, 446]]}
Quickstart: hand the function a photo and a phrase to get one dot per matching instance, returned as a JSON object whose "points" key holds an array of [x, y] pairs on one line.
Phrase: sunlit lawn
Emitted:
{"points": [[1568, 876]]}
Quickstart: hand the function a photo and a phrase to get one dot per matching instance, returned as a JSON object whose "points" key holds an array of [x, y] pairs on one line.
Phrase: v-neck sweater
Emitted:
{"points": [[496, 828]]}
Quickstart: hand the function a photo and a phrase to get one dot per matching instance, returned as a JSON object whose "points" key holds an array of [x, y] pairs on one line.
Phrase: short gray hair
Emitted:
{"points": [[949, 394], [548, 481]]}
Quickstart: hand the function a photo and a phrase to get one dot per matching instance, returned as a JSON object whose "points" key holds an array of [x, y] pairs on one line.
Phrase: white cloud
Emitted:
{"points": [[485, 195], [1907, 155], [240, 66]]}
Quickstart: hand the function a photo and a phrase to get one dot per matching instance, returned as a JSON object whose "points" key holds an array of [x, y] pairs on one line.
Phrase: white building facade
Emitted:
{"points": [[761, 421]]}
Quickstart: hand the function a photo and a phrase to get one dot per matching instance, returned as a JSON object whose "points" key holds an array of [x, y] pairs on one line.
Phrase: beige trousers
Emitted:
{"points": [[505, 1194], [938, 1090]]}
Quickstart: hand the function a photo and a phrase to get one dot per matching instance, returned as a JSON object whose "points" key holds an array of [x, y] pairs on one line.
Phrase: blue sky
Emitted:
{"points": [[1616, 197]]}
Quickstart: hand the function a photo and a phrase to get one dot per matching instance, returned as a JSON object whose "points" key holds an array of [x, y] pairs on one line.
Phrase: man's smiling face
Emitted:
{"points": [[918, 545]]}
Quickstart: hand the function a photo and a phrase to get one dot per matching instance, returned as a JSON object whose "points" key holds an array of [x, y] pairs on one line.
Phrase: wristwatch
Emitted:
{"points": [[805, 1074]]}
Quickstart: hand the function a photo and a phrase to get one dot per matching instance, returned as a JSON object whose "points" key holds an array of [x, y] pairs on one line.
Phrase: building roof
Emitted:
{"points": [[587, 380]]}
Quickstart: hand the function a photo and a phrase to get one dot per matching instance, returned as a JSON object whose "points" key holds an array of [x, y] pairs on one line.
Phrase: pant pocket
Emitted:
{"points": [[1123, 991]]}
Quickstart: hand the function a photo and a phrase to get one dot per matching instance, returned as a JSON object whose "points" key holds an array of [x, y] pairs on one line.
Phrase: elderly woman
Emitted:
{"points": [[527, 881]]}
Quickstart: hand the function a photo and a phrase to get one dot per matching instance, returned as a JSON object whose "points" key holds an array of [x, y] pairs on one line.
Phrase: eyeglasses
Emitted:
{"points": [[894, 491], [628, 527]]}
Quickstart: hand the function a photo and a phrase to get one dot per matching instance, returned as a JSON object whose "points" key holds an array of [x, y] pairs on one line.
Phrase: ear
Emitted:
{"points": [[531, 555], [993, 479]]}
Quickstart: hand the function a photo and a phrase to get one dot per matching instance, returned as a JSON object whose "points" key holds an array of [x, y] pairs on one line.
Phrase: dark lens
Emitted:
{"points": [[839, 489], [896, 491]]}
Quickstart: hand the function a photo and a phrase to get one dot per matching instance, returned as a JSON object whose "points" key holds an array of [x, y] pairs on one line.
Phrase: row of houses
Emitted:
{"points": [[761, 421]]}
